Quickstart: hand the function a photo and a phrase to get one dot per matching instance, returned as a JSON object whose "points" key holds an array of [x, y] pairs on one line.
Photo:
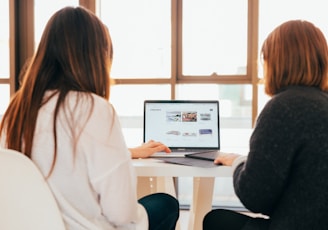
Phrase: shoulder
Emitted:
{"points": [[301, 94], [102, 104], [89, 112], [296, 107], [82, 101], [295, 99]]}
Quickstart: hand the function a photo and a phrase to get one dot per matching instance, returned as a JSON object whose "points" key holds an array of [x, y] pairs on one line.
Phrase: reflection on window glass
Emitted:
{"points": [[141, 34], [214, 37], [128, 99], [43, 10], [235, 101], [4, 39], [290, 10], [128, 103]]}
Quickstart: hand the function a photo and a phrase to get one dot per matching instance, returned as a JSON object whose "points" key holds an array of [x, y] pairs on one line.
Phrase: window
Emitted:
{"points": [[4, 39], [141, 36], [157, 41], [214, 38], [4, 56], [43, 10]]}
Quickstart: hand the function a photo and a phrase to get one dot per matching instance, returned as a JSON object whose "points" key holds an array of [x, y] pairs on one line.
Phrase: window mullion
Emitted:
{"points": [[252, 53]]}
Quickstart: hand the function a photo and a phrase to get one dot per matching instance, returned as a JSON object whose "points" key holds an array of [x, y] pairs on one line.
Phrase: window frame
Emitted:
{"points": [[22, 47]]}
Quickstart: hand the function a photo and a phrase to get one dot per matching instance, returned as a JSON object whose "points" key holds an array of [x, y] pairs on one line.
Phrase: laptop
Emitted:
{"points": [[185, 126]]}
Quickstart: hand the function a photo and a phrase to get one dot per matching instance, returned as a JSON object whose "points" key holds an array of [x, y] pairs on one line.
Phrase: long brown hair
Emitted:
{"points": [[74, 54], [295, 53]]}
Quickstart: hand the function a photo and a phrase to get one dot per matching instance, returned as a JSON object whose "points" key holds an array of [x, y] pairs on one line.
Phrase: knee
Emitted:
{"points": [[213, 219], [210, 216], [162, 201], [224, 219], [169, 202], [163, 210]]}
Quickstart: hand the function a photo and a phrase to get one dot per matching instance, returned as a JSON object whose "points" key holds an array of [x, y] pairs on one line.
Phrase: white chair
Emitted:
{"points": [[26, 201]]}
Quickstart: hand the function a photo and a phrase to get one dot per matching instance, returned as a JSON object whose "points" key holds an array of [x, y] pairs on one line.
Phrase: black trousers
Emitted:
{"points": [[163, 211], [221, 219]]}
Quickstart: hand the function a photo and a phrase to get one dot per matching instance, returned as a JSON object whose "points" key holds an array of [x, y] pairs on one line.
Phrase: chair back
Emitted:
{"points": [[26, 201]]}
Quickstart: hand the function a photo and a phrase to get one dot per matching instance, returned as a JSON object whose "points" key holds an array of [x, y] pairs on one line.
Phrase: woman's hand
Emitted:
{"points": [[149, 148], [226, 158]]}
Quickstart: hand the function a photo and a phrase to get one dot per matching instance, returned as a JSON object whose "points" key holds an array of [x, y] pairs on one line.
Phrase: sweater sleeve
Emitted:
{"points": [[260, 181]]}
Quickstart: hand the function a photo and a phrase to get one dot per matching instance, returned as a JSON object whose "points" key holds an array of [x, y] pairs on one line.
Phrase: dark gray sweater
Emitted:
{"points": [[286, 173]]}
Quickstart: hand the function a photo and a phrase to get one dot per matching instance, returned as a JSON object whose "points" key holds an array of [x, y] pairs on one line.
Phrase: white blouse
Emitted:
{"points": [[93, 180]]}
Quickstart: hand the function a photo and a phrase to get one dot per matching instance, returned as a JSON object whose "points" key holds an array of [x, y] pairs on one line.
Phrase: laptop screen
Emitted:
{"points": [[182, 124]]}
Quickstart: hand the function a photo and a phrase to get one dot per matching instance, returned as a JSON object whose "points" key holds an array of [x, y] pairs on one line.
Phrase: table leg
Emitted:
{"points": [[149, 185], [166, 184], [144, 186], [202, 201]]}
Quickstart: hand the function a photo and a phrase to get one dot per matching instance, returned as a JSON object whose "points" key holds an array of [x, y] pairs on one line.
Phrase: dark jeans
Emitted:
{"points": [[221, 219], [162, 209]]}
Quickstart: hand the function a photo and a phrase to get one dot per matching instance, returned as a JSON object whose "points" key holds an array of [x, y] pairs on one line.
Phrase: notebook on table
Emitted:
{"points": [[185, 126], [209, 156]]}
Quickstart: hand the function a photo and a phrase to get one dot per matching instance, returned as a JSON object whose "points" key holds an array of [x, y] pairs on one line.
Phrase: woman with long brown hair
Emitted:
{"points": [[62, 120]]}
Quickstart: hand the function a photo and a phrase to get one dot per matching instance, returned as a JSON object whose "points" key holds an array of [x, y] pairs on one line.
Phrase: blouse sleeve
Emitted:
{"points": [[110, 168]]}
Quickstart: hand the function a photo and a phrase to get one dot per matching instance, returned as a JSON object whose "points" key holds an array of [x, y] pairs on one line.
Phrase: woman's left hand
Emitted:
{"points": [[226, 158]]}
